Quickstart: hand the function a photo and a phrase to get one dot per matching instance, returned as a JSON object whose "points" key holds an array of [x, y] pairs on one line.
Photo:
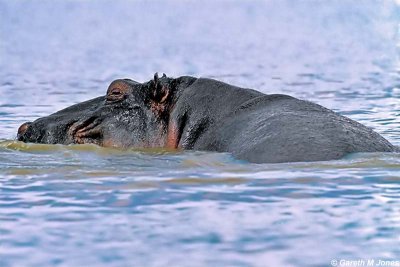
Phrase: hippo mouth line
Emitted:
{"points": [[86, 132]]}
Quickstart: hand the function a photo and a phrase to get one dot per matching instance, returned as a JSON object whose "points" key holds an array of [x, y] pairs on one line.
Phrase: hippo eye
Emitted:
{"points": [[115, 94], [116, 91]]}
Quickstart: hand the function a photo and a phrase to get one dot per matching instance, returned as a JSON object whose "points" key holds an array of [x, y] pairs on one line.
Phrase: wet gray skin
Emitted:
{"points": [[125, 117], [205, 114]]}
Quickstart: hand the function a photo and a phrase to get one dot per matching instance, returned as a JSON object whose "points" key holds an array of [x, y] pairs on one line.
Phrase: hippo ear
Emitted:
{"points": [[160, 95], [160, 90]]}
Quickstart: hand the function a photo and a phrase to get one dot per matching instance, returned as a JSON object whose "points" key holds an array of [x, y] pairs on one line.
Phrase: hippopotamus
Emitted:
{"points": [[189, 113]]}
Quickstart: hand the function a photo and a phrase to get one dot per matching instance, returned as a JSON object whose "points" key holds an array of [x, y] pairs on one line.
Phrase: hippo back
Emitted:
{"points": [[280, 128]]}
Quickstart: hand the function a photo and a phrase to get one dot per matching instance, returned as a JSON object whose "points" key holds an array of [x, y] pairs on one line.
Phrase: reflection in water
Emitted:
{"points": [[206, 206], [82, 205]]}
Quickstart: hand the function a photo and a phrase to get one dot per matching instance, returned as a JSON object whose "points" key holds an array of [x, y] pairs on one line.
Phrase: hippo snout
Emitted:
{"points": [[22, 129]]}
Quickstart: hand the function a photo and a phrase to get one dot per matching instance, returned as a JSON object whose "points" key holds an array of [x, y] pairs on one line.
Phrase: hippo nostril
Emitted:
{"points": [[23, 128]]}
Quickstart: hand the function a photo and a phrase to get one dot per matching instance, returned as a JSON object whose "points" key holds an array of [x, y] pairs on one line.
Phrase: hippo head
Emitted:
{"points": [[131, 114]]}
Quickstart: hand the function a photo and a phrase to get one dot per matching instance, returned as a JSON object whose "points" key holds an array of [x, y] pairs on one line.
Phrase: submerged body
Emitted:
{"points": [[205, 114]]}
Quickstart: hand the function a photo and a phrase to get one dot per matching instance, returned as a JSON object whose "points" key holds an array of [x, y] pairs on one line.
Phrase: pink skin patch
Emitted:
{"points": [[172, 136]]}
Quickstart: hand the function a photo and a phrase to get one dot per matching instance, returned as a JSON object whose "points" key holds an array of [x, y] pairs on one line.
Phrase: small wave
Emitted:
{"points": [[33, 147], [212, 160]]}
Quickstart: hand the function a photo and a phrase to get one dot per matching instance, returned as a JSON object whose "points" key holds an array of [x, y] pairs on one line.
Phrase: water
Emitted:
{"points": [[90, 206]]}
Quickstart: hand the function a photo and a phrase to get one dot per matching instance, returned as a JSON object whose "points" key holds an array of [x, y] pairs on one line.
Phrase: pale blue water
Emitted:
{"points": [[88, 206]]}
